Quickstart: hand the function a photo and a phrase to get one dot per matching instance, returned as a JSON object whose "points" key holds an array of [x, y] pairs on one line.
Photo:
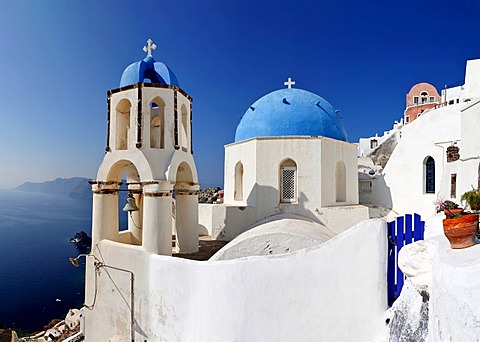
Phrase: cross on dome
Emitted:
{"points": [[150, 46], [289, 83]]}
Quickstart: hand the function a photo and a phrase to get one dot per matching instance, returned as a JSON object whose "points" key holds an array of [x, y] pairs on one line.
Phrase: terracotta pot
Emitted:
{"points": [[461, 231], [453, 211]]}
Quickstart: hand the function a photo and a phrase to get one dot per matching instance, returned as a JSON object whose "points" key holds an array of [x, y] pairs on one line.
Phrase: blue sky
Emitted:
{"points": [[58, 59]]}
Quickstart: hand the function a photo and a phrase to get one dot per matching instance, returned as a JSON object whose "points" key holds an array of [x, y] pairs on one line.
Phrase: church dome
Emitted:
{"points": [[290, 112], [148, 71]]}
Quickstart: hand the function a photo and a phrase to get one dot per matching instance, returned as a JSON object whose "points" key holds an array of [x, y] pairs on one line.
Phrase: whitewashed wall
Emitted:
{"points": [[404, 174], [333, 292], [454, 296], [316, 159], [472, 80]]}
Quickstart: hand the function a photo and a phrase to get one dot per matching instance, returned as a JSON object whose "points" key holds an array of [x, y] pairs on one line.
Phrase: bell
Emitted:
{"points": [[131, 205]]}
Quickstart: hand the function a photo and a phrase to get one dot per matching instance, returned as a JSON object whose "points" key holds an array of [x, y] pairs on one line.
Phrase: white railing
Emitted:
{"points": [[422, 104]]}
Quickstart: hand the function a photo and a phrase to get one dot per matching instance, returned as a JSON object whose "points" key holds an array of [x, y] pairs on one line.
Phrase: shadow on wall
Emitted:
{"points": [[264, 202], [375, 191]]}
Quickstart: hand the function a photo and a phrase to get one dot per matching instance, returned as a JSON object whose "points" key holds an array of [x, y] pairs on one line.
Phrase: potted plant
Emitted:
{"points": [[472, 198], [459, 228], [450, 208]]}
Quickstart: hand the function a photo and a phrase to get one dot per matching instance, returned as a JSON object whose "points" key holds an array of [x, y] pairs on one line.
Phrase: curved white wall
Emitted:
{"points": [[333, 292], [429, 135]]}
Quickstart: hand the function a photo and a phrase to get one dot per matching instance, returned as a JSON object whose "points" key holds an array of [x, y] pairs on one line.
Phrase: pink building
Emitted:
{"points": [[422, 96]]}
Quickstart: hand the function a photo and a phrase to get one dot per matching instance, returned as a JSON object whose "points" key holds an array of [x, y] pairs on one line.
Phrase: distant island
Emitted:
{"points": [[76, 187]]}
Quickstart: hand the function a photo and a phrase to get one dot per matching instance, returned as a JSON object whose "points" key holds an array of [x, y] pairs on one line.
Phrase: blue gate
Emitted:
{"points": [[401, 232]]}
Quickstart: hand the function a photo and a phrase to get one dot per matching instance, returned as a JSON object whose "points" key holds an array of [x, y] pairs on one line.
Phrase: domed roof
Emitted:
{"points": [[290, 112], [148, 71]]}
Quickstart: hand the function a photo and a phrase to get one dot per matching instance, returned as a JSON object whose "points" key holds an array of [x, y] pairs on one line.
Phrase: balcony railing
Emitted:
{"points": [[436, 102]]}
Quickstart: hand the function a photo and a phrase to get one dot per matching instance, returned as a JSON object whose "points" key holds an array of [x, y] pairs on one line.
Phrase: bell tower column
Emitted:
{"points": [[187, 219], [104, 211], [157, 219]]}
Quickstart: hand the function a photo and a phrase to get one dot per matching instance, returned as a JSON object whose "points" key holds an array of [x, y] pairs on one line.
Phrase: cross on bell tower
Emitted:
{"points": [[150, 46], [289, 83]]}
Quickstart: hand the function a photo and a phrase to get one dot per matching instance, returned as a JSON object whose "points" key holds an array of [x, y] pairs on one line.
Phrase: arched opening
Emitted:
{"points": [[185, 211], [340, 182], [157, 123], [127, 225], [429, 175], [238, 193], [424, 96], [288, 181], [184, 127], [122, 123]]}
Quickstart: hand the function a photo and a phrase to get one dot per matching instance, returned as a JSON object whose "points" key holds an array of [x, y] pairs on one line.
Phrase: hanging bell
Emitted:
{"points": [[131, 205]]}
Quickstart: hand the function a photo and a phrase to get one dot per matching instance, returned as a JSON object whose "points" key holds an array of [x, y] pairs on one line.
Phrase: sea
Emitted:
{"points": [[37, 281]]}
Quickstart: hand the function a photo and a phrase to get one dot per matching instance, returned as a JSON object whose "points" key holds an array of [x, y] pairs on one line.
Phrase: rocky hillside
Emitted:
{"points": [[382, 153]]}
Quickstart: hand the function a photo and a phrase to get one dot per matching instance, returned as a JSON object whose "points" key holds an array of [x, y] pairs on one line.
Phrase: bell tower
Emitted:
{"points": [[149, 147]]}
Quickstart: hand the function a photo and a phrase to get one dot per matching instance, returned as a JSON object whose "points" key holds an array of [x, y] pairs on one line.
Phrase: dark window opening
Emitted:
{"points": [[430, 176], [453, 185]]}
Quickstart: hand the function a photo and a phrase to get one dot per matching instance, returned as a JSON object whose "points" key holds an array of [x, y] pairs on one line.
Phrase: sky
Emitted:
{"points": [[58, 58]]}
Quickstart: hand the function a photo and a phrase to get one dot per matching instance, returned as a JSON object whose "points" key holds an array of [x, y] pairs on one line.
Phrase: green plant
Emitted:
{"points": [[472, 199]]}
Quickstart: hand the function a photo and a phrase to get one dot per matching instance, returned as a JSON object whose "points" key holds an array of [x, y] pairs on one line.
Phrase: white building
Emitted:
{"points": [[290, 176], [290, 156], [290, 171], [436, 156]]}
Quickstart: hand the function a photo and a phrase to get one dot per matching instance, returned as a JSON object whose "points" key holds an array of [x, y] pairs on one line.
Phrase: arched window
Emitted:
{"points": [[157, 123], [288, 181], [429, 175], [122, 116], [340, 182], [424, 96], [238, 194], [184, 127]]}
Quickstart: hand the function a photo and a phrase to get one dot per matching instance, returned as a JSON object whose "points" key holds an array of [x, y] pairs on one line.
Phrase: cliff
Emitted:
{"points": [[76, 187]]}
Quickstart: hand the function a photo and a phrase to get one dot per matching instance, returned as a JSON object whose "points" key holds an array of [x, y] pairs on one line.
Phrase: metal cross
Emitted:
{"points": [[289, 83], [150, 46]]}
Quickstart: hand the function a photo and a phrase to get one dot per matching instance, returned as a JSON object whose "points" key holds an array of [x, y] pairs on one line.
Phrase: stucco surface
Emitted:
{"points": [[279, 234], [454, 298], [304, 296], [403, 183]]}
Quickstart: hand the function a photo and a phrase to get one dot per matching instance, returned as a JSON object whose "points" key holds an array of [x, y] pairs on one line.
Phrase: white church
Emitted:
{"points": [[304, 263]]}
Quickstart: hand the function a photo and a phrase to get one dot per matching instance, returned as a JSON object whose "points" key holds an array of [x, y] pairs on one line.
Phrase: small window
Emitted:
{"points": [[451, 102], [407, 119], [415, 99], [288, 181], [430, 176], [423, 93], [365, 187], [373, 143], [432, 99], [453, 185]]}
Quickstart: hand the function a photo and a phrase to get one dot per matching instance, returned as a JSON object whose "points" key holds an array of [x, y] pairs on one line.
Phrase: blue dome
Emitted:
{"points": [[148, 71], [291, 112]]}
